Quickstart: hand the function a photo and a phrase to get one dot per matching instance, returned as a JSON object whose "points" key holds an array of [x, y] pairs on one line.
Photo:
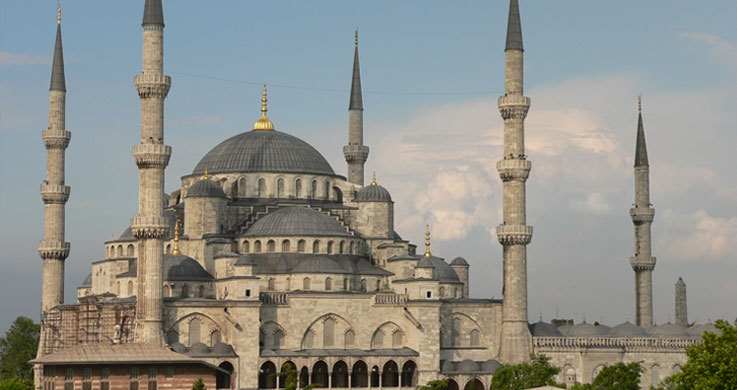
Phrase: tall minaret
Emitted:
{"points": [[54, 192], [681, 306], [643, 263], [152, 157], [514, 234], [356, 153]]}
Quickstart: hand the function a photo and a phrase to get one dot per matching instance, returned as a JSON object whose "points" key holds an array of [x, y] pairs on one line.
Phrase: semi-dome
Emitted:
{"points": [[699, 329], [373, 193], [459, 262], [544, 329], [588, 330], [264, 151], [668, 330], [178, 267], [205, 188], [297, 221], [627, 329]]}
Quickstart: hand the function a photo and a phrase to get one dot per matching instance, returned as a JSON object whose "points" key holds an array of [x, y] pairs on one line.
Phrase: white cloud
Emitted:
{"points": [[594, 203], [699, 236], [8, 58], [722, 50]]}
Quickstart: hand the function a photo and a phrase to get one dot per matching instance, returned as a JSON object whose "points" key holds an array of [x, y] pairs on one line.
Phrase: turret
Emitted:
{"points": [[204, 206], [54, 192], [514, 234], [643, 214], [356, 153], [681, 304], [375, 217], [151, 156], [461, 266]]}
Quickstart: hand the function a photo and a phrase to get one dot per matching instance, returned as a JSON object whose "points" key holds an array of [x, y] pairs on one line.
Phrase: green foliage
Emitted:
{"points": [[199, 384], [15, 384], [291, 381], [619, 376], [537, 373], [711, 364], [17, 348], [439, 384]]}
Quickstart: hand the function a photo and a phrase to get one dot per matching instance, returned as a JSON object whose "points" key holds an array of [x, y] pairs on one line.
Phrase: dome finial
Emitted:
{"points": [[263, 122], [58, 12], [206, 176], [175, 245], [355, 37], [373, 180], [428, 251], [639, 104]]}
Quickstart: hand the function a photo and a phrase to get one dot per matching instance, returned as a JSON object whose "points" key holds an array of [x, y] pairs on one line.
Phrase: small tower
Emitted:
{"points": [[643, 214], [356, 153], [514, 234], [54, 192], [681, 305], [375, 217], [151, 156]]}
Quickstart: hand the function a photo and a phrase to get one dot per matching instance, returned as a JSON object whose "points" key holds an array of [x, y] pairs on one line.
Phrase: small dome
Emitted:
{"points": [[87, 282], [698, 330], [297, 221], [127, 235], [544, 329], [668, 330], [184, 268], [441, 270], [199, 349], [178, 347], [373, 193], [205, 188], [425, 262], [565, 329], [459, 262], [588, 330], [627, 329]]}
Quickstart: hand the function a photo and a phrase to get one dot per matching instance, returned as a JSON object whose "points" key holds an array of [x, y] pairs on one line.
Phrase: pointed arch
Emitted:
{"points": [[340, 375], [320, 374], [298, 188], [280, 187], [408, 377], [390, 374], [474, 384], [359, 374], [267, 376]]}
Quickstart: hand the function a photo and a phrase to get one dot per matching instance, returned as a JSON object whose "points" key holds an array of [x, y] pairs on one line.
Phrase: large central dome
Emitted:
{"points": [[263, 151]]}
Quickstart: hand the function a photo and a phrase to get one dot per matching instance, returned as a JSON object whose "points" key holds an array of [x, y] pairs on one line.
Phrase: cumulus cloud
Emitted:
{"points": [[699, 236], [8, 58], [722, 50]]}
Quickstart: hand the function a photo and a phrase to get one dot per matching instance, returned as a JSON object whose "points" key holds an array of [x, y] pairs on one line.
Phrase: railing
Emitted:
{"points": [[274, 298], [624, 343], [390, 299]]}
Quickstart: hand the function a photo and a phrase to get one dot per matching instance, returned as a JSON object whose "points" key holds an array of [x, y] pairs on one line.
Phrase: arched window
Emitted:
{"points": [[328, 333], [306, 284], [285, 247], [298, 188], [215, 337], [261, 188], [242, 189], [320, 375], [375, 376], [172, 337], [271, 284], [280, 188], [316, 246], [267, 376], [167, 291], [378, 340], [452, 384], [378, 284], [271, 246], [337, 195], [130, 288], [185, 291], [328, 284], [397, 339], [313, 190], [288, 368], [304, 378], [340, 375], [194, 331], [390, 374], [474, 384], [257, 246], [359, 376], [301, 246], [330, 247], [120, 251], [351, 248], [327, 190], [341, 247], [408, 374], [131, 250], [309, 340], [245, 247], [363, 285], [201, 292], [278, 340], [345, 283], [457, 342], [349, 338], [474, 338], [442, 291]]}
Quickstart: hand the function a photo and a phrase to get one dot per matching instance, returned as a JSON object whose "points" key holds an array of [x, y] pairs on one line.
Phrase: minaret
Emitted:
{"points": [[356, 153], [54, 192], [514, 234], [681, 306], [643, 263], [152, 157]]}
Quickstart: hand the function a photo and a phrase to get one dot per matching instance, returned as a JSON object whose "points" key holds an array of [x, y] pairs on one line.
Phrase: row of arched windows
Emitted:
{"points": [[319, 376], [328, 284], [121, 251], [194, 332], [300, 189], [286, 246]]}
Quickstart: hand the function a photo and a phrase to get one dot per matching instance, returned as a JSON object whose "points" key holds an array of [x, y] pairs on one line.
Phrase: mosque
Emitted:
{"points": [[266, 261]]}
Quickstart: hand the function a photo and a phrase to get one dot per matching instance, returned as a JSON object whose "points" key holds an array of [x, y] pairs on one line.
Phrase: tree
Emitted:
{"points": [[537, 373], [712, 364], [619, 376], [15, 384], [199, 384], [292, 378], [439, 384], [17, 348]]}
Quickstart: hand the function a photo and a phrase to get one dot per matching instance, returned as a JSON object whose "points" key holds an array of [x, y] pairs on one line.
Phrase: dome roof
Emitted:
{"points": [[263, 151], [184, 268], [205, 188], [223, 349], [442, 272], [588, 330], [544, 329], [373, 193], [668, 330], [199, 349], [297, 221], [459, 261], [178, 347], [87, 282], [698, 330], [627, 329]]}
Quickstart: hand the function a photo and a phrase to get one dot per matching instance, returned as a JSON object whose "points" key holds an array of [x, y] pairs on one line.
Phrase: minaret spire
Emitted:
{"points": [[514, 234], [151, 156], [54, 192], [643, 214], [356, 153]]}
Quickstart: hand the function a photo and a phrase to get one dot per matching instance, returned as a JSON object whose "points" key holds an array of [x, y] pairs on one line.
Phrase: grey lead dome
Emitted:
{"points": [[205, 188], [373, 193], [264, 151], [297, 221]]}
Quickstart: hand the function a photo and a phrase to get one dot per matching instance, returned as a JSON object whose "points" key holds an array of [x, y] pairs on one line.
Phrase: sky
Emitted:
{"points": [[432, 71]]}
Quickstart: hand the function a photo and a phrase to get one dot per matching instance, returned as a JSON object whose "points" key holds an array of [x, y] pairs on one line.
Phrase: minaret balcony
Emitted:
{"points": [[514, 106], [514, 169], [56, 139], [642, 214], [149, 226], [55, 193], [151, 155], [54, 249], [356, 153], [514, 234], [639, 264], [152, 85]]}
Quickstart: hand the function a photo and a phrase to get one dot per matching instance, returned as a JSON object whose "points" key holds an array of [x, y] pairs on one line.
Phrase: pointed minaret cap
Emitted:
{"points": [[58, 82], [514, 27], [356, 100], [680, 282], [641, 159], [153, 13]]}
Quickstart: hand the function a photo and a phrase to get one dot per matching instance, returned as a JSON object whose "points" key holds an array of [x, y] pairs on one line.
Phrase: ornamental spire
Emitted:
{"points": [[428, 244], [641, 159], [58, 81], [153, 13], [263, 122], [356, 100], [514, 27], [175, 246]]}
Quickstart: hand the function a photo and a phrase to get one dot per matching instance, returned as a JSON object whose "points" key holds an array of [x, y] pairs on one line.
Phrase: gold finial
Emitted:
{"points": [[639, 104], [175, 246], [373, 180], [428, 252], [206, 176], [263, 122], [355, 37], [58, 11]]}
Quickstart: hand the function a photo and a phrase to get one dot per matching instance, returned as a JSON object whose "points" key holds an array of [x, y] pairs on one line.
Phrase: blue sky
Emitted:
{"points": [[431, 72]]}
